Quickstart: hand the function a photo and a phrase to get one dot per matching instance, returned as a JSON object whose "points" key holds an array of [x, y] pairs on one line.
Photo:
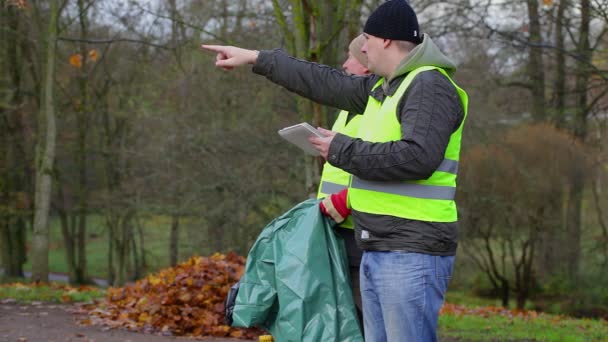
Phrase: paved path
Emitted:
{"points": [[44, 322]]}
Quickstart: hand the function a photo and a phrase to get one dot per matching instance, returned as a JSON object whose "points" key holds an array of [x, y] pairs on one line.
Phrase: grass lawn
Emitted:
{"points": [[470, 318], [156, 239], [58, 293], [541, 328]]}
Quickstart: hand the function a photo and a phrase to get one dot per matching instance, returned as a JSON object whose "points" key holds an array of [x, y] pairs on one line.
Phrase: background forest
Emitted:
{"points": [[124, 150]]}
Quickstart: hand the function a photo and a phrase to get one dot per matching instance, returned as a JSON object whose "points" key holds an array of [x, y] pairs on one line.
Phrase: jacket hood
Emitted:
{"points": [[425, 54]]}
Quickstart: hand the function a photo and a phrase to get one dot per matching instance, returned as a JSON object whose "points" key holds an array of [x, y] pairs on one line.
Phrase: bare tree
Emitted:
{"points": [[15, 153], [45, 150], [508, 200]]}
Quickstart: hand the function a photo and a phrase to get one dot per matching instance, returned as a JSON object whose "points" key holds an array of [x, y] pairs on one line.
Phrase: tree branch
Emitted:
{"points": [[513, 38], [114, 40]]}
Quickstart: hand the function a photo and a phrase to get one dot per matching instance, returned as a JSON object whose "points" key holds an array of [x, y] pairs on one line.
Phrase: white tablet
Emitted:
{"points": [[299, 134]]}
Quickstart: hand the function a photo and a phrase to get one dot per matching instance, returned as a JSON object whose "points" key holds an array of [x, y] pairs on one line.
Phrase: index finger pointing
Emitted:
{"points": [[215, 48]]}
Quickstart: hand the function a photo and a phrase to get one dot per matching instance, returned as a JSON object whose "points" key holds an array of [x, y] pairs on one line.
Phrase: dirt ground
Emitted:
{"points": [[45, 322]]}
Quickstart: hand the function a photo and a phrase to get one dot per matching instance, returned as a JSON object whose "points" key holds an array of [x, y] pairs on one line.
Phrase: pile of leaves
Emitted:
{"points": [[186, 300]]}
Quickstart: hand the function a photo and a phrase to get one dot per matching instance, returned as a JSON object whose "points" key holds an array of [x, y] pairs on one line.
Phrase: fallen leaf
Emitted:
{"points": [[76, 60]]}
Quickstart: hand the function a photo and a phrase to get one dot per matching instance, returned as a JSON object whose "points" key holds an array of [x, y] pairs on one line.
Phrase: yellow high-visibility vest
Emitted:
{"points": [[430, 199], [333, 179]]}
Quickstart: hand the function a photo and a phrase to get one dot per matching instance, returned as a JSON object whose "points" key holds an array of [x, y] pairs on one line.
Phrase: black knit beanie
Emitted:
{"points": [[396, 20]]}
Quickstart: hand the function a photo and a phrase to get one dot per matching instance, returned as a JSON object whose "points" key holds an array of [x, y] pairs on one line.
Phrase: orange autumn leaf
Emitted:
{"points": [[144, 317], [21, 4], [154, 280], [76, 61], [236, 333], [185, 297], [93, 55]]}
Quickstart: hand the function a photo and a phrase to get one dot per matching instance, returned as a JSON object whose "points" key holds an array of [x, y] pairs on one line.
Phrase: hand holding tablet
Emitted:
{"points": [[299, 134]]}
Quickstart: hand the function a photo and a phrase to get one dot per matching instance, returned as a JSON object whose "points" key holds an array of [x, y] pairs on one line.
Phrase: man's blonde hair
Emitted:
{"points": [[355, 49]]}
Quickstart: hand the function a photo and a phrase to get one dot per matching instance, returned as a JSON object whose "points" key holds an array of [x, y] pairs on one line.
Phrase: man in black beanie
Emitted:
{"points": [[403, 163]]}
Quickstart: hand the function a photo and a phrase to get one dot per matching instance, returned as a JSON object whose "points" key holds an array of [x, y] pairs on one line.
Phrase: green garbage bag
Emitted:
{"points": [[296, 282]]}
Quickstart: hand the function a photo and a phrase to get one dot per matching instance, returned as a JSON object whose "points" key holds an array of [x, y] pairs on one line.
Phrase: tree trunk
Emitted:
{"points": [[535, 64], [6, 246], [173, 240], [136, 271], [560, 66], [551, 240], [142, 249], [12, 238], [45, 154], [122, 244], [505, 293], [577, 183], [111, 238], [550, 260], [181, 106], [14, 185], [83, 123], [316, 24], [68, 241], [354, 22], [583, 72]]}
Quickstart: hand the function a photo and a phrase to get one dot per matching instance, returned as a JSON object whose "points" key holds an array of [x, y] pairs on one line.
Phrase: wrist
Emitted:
{"points": [[254, 56], [328, 208]]}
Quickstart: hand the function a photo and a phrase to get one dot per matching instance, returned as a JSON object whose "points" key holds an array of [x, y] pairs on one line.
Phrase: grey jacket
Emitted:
{"points": [[429, 112]]}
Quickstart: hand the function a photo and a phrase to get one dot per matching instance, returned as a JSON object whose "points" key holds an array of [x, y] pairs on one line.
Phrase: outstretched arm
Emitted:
{"points": [[319, 83], [229, 57]]}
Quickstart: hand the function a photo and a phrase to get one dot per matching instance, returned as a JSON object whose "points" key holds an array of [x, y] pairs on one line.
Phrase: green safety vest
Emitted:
{"points": [[333, 179], [430, 199]]}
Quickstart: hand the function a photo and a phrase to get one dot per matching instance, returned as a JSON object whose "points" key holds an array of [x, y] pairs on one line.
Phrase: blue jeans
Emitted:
{"points": [[402, 294]]}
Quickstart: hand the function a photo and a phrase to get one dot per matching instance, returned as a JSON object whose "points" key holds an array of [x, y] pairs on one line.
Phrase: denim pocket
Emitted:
{"points": [[443, 272], [444, 265]]}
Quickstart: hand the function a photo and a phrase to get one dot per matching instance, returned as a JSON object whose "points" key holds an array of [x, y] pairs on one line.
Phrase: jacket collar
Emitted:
{"points": [[380, 93]]}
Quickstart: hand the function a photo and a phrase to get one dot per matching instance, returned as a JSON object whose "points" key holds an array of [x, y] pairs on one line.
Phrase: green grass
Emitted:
{"points": [[495, 327], [455, 296], [26, 293], [542, 328], [156, 240]]}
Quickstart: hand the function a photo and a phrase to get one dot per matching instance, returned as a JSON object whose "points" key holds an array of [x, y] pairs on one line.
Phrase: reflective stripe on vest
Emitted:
{"points": [[328, 187], [406, 189], [449, 166], [333, 179], [430, 199]]}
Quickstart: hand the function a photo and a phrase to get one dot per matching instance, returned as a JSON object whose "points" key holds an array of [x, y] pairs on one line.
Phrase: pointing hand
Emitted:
{"points": [[229, 57]]}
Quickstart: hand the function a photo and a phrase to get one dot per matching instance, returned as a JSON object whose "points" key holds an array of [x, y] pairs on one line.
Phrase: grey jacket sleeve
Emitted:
{"points": [[429, 112], [317, 82]]}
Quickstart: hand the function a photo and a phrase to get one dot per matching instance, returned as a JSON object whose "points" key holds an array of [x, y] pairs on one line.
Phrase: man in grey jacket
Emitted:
{"points": [[404, 165]]}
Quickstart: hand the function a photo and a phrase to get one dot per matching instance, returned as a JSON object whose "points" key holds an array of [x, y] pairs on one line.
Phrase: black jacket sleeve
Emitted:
{"points": [[429, 112], [317, 82]]}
